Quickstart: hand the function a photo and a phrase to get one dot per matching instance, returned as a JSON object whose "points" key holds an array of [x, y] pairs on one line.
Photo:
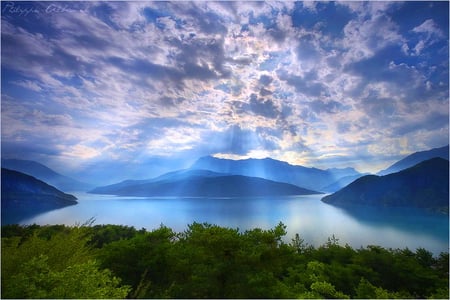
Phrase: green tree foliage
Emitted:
{"points": [[142, 260], [207, 261], [366, 290], [104, 234], [54, 262], [36, 279]]}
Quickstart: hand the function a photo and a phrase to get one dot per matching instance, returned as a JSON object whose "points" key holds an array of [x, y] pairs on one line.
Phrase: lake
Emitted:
{"points": [[314, 220]]}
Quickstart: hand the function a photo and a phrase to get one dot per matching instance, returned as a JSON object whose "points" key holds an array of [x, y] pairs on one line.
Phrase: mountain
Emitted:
{"points": [[416, 158], [201, 183], [165, 178], [46, 174], [309, 178], [185, 174], [343, 172], [24, 196], [342, 182], [425, 185]]}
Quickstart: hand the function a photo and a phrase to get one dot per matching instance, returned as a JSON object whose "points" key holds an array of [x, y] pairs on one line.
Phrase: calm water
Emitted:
{"points": [[314, 220]]}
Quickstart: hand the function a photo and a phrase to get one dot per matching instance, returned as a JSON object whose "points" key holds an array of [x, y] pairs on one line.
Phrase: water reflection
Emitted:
{"points": [[314, 220], [413, 220]]}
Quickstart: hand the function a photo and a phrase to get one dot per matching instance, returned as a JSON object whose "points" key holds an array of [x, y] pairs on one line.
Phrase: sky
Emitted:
{"points": [[152, 86]]}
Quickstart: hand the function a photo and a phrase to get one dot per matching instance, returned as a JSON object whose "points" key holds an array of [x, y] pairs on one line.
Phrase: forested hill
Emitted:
{"points": [[425, 185], [24, 196], [208, 262], [194, 185]]}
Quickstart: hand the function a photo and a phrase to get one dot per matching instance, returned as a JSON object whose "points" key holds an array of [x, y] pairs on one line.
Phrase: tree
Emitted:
{"points": [[142, 261], [299, 245], [37, 280], [366, 290], [207, 261], [60, 266]]}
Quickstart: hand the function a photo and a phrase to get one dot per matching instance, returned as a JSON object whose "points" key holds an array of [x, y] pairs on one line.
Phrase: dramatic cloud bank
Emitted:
{"points": [[325, 84]]}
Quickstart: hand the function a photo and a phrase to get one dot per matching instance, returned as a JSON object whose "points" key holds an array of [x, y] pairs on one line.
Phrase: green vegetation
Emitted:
{"points": [[207, 261], [53, 262]]}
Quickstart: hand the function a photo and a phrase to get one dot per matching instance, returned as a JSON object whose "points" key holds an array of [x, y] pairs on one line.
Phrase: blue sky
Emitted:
{"points": [[158, 84]]}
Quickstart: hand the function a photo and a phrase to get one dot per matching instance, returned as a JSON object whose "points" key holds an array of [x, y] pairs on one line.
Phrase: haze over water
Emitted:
{"points": [[314, 220]]}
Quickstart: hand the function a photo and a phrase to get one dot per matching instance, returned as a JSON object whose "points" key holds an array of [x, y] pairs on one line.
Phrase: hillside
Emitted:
{"points": [[425, 185], [200, 184], [165, 178], [24, 196], [309, 178], [416, 158], [45, 174]]}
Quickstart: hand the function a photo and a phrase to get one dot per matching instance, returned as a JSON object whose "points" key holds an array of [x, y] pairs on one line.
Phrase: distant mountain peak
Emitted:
{"points": [[416, 158], [272, 169], [347, 169], [212, 157], [46, 174], [424, 185]]}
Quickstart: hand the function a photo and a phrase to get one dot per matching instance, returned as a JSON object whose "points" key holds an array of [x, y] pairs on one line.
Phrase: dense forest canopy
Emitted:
{"points": [[207, 261]]}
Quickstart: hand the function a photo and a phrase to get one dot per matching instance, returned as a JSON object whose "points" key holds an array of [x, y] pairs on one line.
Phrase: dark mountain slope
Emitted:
{"points": [[24, 196], [168, 177], [416, 158], [46, 174], [425, 185], [210, 186], [309, 178]]}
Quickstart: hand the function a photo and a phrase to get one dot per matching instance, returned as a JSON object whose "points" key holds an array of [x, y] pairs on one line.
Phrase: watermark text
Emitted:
{"points": [[22, 10]]}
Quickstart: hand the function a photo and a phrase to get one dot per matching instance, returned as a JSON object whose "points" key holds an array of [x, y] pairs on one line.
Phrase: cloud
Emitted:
{"points": [[372, 31], [310, 5], [396, 81], [81, 151], [265, 79], [307, 84], [135, 80], [263, 107], [430, 28], [430, 34], [330, 107], [51, 120], [28, 84], [307, 49], [170, 101]]}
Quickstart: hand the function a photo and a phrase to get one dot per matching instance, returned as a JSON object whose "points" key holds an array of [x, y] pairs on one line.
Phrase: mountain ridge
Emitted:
{"points": [[24, 195], [111, 188], [425, 185], [214, 185], [415, 158], [281, 171], [45, 174]]}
